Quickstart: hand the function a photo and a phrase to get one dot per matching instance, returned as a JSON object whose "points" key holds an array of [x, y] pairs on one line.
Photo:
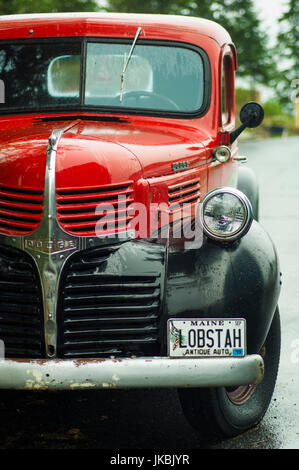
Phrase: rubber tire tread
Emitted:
{"points": [[215, 417]]}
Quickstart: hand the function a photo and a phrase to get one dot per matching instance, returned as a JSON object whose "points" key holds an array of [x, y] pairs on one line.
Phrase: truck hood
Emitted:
{"points": [[156, 144], [91, 152], [81, 160]]}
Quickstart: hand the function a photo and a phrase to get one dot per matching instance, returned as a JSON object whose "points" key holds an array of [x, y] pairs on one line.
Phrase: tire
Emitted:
{"points": [[219, 413]]}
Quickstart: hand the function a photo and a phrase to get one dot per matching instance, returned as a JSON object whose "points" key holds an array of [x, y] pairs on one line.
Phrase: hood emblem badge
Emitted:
{"points": [[50, 246], [180, 166]]}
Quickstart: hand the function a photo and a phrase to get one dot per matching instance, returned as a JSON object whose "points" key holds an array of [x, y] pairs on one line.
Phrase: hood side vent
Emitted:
{"points": [[183, 193]]}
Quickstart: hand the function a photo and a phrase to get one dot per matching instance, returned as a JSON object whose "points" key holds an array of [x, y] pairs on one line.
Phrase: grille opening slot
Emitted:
{"points": [[106, 189], [31, 192]]}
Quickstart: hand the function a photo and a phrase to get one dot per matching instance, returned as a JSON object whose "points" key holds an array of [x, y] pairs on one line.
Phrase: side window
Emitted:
{"points": [[227, 87]]}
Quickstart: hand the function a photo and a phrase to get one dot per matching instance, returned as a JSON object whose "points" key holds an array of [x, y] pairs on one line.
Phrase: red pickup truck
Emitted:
{"points": [[130, 249]]}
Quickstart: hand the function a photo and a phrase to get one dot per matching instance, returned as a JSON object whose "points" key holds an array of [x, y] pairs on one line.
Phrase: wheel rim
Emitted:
{"points": [[241, 394]]}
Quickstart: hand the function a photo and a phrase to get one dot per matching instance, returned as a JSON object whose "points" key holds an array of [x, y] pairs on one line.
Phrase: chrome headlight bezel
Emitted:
{"points": [[243, 229], [222, 153]]}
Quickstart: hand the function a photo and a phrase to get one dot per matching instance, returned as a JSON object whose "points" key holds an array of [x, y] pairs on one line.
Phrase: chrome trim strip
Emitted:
{"points": [[239, 158], [44, 245], [130, 373]]}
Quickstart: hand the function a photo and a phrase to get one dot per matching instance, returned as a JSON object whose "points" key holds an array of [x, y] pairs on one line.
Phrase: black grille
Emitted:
{"points": [[102, 315], [21, 317]]}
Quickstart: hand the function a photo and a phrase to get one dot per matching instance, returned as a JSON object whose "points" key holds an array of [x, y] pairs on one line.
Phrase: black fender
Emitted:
{"points": [[248, 184], [236, 280], [240, 280]]}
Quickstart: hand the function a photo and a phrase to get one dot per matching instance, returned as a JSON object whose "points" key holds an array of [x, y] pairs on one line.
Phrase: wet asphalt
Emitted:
{"points": [[152, 419]]}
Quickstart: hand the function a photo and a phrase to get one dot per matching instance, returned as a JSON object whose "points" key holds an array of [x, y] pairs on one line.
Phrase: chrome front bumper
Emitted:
{"points": [[155, 372]]}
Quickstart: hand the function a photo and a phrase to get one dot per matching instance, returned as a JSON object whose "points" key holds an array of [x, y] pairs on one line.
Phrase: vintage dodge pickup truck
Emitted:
{"points": [[130, 249]]}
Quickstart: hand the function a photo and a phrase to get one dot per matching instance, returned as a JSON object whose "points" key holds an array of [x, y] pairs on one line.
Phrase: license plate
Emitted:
{"points": [[207, 337]]}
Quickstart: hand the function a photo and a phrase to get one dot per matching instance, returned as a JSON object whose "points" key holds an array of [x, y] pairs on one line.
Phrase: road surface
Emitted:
{"points": [[276, 164]]}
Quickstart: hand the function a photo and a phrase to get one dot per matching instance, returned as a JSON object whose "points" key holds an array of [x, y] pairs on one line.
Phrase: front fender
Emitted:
{"points": [[248, 184], [241, 280]]}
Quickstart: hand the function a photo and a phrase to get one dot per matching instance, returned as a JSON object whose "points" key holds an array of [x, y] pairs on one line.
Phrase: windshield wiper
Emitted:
{"points": [[126, 62]]}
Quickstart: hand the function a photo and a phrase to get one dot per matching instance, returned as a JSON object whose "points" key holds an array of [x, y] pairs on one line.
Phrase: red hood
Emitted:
{"points": [[95, 161], [92, 152], [155, 144], [81, 160], [23, 153]]}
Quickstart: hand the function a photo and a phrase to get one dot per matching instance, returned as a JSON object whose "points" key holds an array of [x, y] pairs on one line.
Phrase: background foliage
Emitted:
{"points": [[259, 64]]}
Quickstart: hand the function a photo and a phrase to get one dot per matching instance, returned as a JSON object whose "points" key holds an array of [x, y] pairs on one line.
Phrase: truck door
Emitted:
{"points": [[224, 174]]}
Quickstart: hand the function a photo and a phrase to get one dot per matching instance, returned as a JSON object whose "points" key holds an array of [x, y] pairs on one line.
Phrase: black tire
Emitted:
{"points": [[219, 413]]}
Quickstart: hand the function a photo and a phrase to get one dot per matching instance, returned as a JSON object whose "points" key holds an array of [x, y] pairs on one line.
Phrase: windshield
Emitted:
{"points": [[158, 77], [24, 70]]}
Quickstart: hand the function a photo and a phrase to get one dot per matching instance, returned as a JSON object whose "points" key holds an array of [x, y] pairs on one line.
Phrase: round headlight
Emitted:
{"points": [[226, 214], [222, 153]]}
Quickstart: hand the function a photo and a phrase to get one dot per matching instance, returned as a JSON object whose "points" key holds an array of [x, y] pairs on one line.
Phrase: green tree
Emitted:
{"points": [[46, 6], [237, 16], [254, 56], [288, 55], [170, 7]]}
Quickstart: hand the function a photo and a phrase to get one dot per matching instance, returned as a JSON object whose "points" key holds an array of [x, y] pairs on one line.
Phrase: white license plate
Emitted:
{"points": [[207, 337]]}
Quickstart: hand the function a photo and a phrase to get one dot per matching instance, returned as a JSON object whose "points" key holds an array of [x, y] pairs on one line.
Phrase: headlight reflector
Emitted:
{"points": [[226, 214]]}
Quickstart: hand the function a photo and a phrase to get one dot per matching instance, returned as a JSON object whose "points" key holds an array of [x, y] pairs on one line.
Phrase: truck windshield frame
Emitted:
{"points": [[43, 90]]}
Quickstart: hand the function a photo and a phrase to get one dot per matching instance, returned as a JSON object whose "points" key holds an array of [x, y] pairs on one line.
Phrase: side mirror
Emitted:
{"points": [[251, 115]]}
